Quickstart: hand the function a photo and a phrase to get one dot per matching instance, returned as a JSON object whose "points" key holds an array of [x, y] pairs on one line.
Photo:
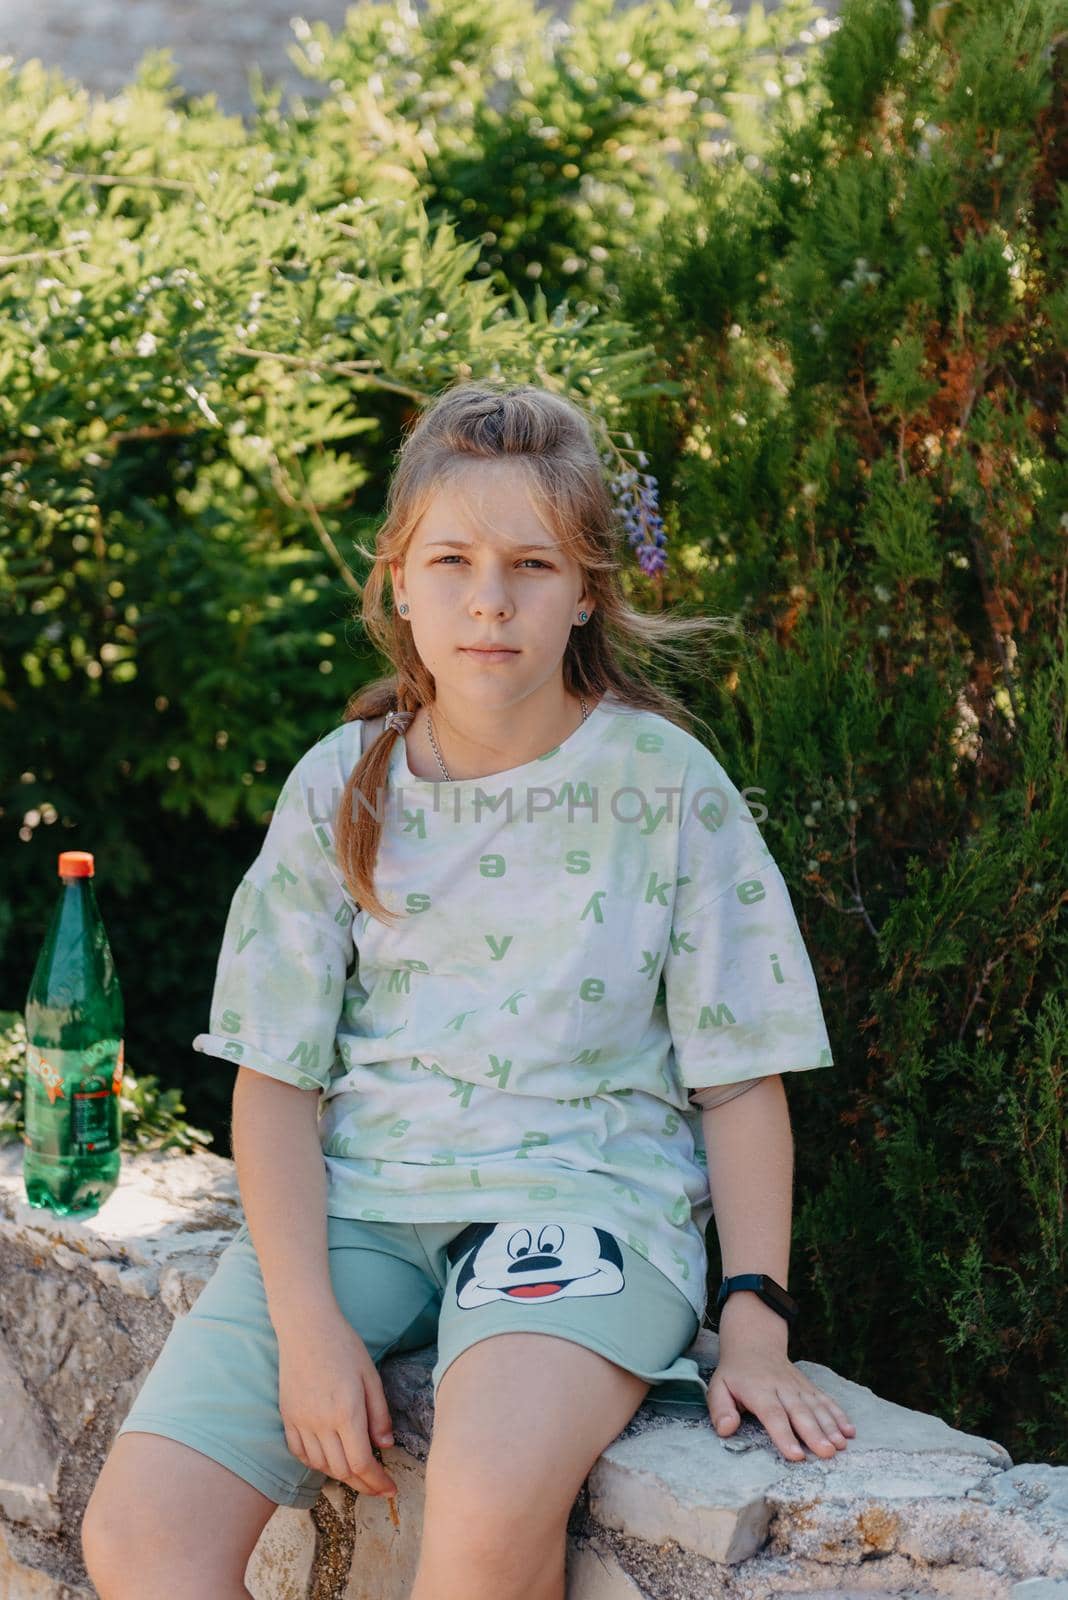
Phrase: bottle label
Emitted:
{"points": [[72, 1099]]}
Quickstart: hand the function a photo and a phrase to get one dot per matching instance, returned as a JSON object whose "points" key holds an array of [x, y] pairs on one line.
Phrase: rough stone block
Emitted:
{"points": [[595, 1574], [29, 1455], [280, 1567]]}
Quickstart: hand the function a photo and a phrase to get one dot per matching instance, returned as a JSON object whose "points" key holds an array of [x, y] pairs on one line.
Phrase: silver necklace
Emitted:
{"points": [[437, 752]]}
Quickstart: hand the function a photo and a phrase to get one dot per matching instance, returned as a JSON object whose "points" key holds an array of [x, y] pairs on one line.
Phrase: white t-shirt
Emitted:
{"points": [[583, 939]]}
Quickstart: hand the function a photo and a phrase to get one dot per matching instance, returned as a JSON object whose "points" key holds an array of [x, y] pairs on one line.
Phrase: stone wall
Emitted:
{"points": [[911, 1508]]}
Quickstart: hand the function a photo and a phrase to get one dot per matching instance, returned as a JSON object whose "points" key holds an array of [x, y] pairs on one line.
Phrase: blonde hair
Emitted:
{"points": [[551, 439]]}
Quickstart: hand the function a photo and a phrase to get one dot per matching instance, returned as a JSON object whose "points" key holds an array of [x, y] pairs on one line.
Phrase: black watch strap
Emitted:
{"points": [[772, 1293]]}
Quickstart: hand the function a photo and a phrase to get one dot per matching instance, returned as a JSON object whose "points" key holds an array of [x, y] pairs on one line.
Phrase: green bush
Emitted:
{"points": [[872, 471], [558, 146]]}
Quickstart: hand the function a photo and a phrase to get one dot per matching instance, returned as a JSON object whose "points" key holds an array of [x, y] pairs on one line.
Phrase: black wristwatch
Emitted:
{"points": [[773, 1294]]}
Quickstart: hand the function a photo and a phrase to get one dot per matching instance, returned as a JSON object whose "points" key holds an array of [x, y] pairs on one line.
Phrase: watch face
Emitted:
{"points": [[760, 1284], [764, 1286], [780, 1296]]}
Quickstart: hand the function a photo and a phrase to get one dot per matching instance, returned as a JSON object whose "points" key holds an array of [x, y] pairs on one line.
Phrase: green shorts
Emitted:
{"points": [[403, 1286]]}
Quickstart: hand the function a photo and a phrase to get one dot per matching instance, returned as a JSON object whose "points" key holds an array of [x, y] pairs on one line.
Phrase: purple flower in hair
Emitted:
{"points": [[635, 495]]}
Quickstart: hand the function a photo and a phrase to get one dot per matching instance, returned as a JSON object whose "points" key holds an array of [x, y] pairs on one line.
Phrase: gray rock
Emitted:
{"points": [[30, 1456]]}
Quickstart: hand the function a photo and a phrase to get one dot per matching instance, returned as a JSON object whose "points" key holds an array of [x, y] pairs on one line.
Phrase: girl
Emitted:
{"points": [[510, 989]]}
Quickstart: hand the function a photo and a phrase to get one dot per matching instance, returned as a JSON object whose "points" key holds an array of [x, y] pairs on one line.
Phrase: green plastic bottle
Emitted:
{"points": [[74, 1054]]}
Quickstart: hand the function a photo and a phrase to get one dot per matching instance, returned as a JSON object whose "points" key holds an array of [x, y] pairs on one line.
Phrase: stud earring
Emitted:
{"points": [[403, 610], [582, 616]]}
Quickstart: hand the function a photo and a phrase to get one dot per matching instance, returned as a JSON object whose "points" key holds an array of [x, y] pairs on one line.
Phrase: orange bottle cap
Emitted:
{"points": [[76, 864]]}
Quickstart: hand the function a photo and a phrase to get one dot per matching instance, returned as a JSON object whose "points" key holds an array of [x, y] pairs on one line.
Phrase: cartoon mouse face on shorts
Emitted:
{"points": [[533, 1265]]}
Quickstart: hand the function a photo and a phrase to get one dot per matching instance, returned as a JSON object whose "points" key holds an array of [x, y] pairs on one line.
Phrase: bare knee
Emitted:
{"points": [[136, 1528], [127, 1561], [106, 1545], [119, 1554], [492, 1557], [506, 1540]]}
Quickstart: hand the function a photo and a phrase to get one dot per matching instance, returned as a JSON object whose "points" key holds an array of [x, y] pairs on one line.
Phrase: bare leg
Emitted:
{"points": [[164, 1519], [520, 1421]]}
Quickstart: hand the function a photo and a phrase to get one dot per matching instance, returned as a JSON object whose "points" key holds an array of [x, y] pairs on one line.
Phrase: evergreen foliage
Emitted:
{"points": [[871, 330]]}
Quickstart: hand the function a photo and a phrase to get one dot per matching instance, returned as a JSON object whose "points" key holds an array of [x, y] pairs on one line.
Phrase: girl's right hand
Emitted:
{"points": [[333, 1404]]}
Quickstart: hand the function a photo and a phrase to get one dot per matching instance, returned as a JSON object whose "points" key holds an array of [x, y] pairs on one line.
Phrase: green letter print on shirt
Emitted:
{"points": [[306, 1054], [750, 893], [282, 875], [499, 1070], [400, 978]]}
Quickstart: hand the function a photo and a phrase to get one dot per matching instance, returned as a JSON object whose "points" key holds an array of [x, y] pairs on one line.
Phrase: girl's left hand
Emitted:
{"points": [[758, 1377]]}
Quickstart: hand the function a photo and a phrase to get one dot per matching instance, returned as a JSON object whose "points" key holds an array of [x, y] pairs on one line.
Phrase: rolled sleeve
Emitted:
{"points": [[741, 995], [708, 1098], [285, 953]]}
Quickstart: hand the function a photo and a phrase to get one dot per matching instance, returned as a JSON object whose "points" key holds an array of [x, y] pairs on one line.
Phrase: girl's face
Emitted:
{"points": [[482, 568]]}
